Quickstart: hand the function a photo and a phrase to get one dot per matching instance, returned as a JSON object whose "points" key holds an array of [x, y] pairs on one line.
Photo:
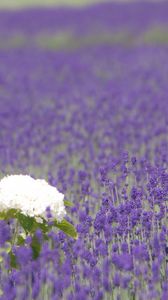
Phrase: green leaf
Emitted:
{"points": [[13, 260], [67, 228], [68, 203], [26, 222], [43, 226], [20, 240], [9, 214], [30, 225], [2, 216], [36, 247]]}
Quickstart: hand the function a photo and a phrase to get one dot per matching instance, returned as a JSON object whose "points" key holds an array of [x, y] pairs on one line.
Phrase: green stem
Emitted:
{"points": [[15, 233]]}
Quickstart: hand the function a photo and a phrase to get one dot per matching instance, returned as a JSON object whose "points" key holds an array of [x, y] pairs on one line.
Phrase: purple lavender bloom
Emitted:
{"points": [[5, 233], [123, 261], [83, 103], [23, 254], [117, 280]]}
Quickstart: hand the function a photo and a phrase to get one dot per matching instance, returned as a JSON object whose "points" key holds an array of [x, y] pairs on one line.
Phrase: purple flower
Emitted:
{"points": [[89, 114], [23, 254], [5, 234], [123, 261]]}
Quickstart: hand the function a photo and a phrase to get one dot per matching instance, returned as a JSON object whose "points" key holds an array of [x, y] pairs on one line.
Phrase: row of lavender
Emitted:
{"points": [[135, 16], [93, 122]]}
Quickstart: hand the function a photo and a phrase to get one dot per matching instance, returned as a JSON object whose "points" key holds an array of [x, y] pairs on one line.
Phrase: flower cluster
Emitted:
{"points": [[31, 197]]}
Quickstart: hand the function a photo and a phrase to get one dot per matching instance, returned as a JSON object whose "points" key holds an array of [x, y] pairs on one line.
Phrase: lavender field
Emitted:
{"points": [[84, 105]]}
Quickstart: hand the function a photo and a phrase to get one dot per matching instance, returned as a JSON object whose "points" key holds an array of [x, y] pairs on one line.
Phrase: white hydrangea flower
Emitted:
{"points": [[31, 196]]}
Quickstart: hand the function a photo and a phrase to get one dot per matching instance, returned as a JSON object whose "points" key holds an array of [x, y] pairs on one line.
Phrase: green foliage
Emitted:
{"points": [[68, 203], [30, 225], [13, 260], [36, 247], [9, 214], [20, 240], [67, 228], [26, 222]]}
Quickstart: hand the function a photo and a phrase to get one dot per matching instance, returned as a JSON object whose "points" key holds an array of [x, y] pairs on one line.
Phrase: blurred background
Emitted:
{"points": [[58, 56], [19, 3], [22, 3], [70, 24]]}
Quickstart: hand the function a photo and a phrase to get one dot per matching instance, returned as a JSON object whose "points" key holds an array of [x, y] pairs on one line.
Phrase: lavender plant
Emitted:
{"points": [[91, 120]]}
